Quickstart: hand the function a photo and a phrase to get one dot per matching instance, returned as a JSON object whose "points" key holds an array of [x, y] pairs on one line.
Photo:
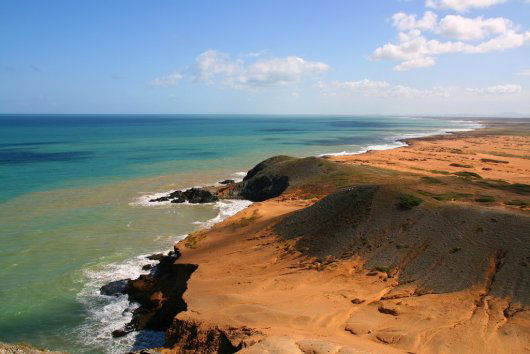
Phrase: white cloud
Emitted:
{"points": [[525, 72], [406, 22], [415, 50], [168, 80], [354, 86], [383, 89], [421, 62], [213, 65], [464, 28], [507, 89], [461, 5]]}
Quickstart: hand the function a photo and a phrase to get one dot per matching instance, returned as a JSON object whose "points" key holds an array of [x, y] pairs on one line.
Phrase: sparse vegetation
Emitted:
{"points": [[467, 174], [493, 161], [518, 202], [431, 180], [504, 154], [440, 172], [485, 199], [193, 239], [383, 269], [245, 221], [461, 165], [451, 196], [407, 201], [456, 151], [518, 188]]}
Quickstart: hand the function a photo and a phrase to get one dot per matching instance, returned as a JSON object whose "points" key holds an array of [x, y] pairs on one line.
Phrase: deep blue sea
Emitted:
{"points": [[72, 203]]}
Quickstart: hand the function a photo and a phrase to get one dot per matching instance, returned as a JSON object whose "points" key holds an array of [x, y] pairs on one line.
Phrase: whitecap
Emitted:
{"points": [[397, 140], [227, 208]]}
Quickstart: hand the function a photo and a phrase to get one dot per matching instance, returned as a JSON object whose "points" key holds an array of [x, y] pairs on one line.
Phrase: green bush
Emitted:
{"points": [[460, 165], [485, 199], [431, 180], [407, 201], [494, 161], [467, 174], [439, 172], [518, 202], [519, 188], [383, 269]]}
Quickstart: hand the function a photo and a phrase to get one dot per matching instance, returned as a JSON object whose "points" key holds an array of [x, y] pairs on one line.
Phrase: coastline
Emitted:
{"points": [[205, 246], [140, 261], [154, 339]]}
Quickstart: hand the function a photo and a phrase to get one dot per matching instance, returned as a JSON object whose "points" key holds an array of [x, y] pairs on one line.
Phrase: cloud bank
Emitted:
{"points": [[461, 5], [214, 66], [462, 35], [383, 89]]}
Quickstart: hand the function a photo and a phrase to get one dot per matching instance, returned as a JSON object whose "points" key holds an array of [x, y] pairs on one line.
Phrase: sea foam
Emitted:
{"points": [[396, 141]]}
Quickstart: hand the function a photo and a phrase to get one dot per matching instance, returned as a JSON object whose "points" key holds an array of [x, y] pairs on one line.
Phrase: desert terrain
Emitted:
{"points": [[420, 249]]}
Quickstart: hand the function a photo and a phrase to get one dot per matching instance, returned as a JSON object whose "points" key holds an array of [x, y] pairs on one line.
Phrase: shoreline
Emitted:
{"points": [[144, 200], [139, 219], [215, 249], [153, 340]]}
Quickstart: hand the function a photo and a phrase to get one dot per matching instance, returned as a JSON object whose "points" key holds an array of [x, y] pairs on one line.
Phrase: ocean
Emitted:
{"points": [[74, 210]]}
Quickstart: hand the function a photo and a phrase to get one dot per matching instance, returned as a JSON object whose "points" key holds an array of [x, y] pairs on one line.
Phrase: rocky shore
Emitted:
{"points": [[393, 251]]}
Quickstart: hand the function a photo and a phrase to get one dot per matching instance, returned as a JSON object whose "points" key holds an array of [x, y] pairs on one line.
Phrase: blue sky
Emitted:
{"points": [[323, 57]]}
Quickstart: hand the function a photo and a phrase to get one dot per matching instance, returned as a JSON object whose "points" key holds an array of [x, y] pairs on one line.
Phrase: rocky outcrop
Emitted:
{"points": [[188, 336], [115, 288], [274, 176], [193, 195], [159, 294], [271, 178], [262, 188]]}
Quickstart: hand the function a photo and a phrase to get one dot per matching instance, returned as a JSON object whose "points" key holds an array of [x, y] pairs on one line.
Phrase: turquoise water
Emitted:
{"points": [[72, 204]]}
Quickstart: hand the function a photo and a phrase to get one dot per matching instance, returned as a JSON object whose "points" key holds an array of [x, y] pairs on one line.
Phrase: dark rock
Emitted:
{"points": [[120, 333], [159, 294], [176, 195], [227, 181], [147, 267], [156, 256], [115, 288], [175, 253], [387, 310], [197, 195], [264, 187], [161, 199], [193, 195]]}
